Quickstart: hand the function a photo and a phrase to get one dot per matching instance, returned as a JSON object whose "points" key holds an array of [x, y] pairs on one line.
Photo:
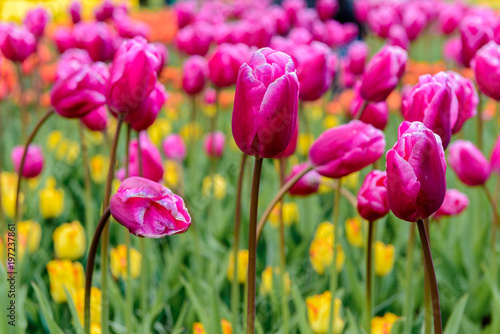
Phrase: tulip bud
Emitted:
{"points": [[75, 11], [265, 105], [225, 62], [375, 114], [97, 38], [372, 196], [380, 20], [470, 165], [266, 286], [467, 97], [321, 249], [313, 70], [214, 144], [452, 50], [119, 262], [382, 73], [16, 42], [64, 274], [292, 7], [495, 157], [416, 183], [194, 39], [161, 52], [318, 313], [383, 324], [485, 66], [307, 184], [96, 120], [475, 33], [194, 74], [69, 241], [129, 28], [242, 269], [33, 164], [346, 149], [30, 235], [290, 214], [353, 232], [226, 326], [174, 147], [384, 258], [148, 209], [36, 20], [356, 57], [454, 203], [151, 160], [215, 186]]}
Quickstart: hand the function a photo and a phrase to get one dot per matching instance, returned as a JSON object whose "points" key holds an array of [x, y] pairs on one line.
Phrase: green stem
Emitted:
{"points": [[369, 275], [284, 300], [427, 292], [252, 245], [333, 267], [408, 309], [22, 102], [128, 241], [482, 102], [143, 245], [87, 183], [494, 222]]}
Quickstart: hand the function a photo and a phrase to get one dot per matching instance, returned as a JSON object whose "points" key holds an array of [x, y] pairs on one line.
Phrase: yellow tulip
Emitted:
{"points": [[73, 152], [242, 266], [266, 286], [290, 214], [64, 273], [54, 139], [330, 121], [384, 258], [227, 328], [115, 184], [353, 232], [8, 181], [29, 233], [318, 313], [324, 231], [171, 175], [69, 241], [191, 131], [383, 325], [62, 149], [51, 200], [159, 130], [94, 137], [321, 255], [95, 305], [316, 111], [304, 142], [209, 110], [219, 190], [119, 262], [99, 168], [95, 329], [9, 202]]}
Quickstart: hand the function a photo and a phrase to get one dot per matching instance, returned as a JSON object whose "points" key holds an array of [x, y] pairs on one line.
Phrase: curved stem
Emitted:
{"points": [[369, 274], [496, 215], [333, 266], [436, 308], [278, 197], [87, 183], [236, 245], [344, 192], [284, 304], [408, 311], [105, 232], [252, 245], [360, 112], [91, 263]]}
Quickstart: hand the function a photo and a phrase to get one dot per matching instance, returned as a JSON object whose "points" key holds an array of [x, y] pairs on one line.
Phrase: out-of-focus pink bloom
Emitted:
{"points": [[195, 39], [174, 147], [382, 73], [145, 115], [70, 61], [194, 74], [224, 63], [63, 37], [327, 9], [475, 33], [380, 20], [416, 167], [129, 28], [433, 102], [452, 50], [454, 203], [214, 144], [361, 10], [292, 7], [347, 148], [280, 18], [104, 11], [350, 32], [210, 96], [398, 37], [348, 79], [284, 45], [75, 11], [414, 21], [161, 52], [313, 70], [300, 36], [356, 57], [148, 209], [36, 19], [265, 104], [375, 114], [470, 165], [334, 34], [487, 70], [97, 38], [448, 19], [496, 33], [151, 160], [495, 157], [372, 196], [16, 42], [467, 97], [307, 184], [96, 120], [33, 165], [305, 18], [185, 11]]}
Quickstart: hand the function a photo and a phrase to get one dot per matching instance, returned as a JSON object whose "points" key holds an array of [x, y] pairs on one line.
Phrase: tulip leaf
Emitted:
{"points": [[353, 324], [74, 312], [453, 324], [301, 312], [46, 311], [180, 319], [193, 297]]}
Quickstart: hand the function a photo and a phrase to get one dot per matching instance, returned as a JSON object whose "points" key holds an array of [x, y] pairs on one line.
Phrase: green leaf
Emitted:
{"points": [[46, 311], [74, 313], [453, 324], [300, 305]]}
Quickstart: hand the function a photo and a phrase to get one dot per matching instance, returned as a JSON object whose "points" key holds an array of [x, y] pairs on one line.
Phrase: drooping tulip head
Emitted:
{"points": [[33, 164], [96, 120], [372, 196], [145, 115], [470, 165], [307, 184], [454, 203]]}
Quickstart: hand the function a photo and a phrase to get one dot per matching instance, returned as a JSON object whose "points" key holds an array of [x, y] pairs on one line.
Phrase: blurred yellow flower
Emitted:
{"points": [[290, 214], [266, 286], [318, 313], [316, 111], [69, 241], [9, 202], [95, 305], [119, 262], [304, 142], [384, 258], [209, 110], [351, 181], [51, 200], [191, 130], [242, 266], [95, 329], [29, 234], [353, 232], [73, 152], [227, 328], [33, 183], [115, 184], [170, 176], [95, 137], [62, 149], [219, 190], [98, 168], [383, 325], [324, 230], [8, 181], [53, 139], [330, 121], [64, 273], [159, 130], [325, 185], [321, 255]]}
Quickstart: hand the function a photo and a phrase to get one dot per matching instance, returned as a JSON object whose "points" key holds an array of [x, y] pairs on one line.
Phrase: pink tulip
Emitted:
{"points": [[284, 45], [467, 97], [382, 73], [71, 61], [454, 203], [307, 184], [375, 114], [129, 28], [495, 157], [151, 160], [305, 18], [81, 91], [174, 147], [356, 57], [433, 102], [265, 104], [313, 70], [148, 209], [347, 148], [16, 42], [161, 52], [145, 115], [475, 33], [105, 11], [214, 144], [452, 50], [33, 163], [210, 96], [63, 38], [133, 76], [334, 34], [470, 165], [350, 32], [300, 36], [487, 71], [414, 21], [362, 9], [496, 32], [194, 74], [185, 11], [97, 38], [380, 20], [292, 7], [292, 145], [75, 11], [96, 120], [36, 19], [449, 18], [225, 62], [280, 18], [416, 183], [195, 39], [372, 196], [327, 9], [398, 37]]}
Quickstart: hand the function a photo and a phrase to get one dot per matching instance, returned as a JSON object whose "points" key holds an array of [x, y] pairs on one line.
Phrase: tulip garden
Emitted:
{"points": [[242, 166]]}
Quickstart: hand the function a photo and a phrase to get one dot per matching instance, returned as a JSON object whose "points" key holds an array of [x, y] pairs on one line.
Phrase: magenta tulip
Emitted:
{"points": [[195, 39], [185, 12], [63, 38], [210, 96], [129, 28], [375, 114], [75, 11], [36, 20], [416, 183], [350, 32], [96, 120], [292, 145], [454, 203], [382, 73], [280, 19], [194, 74], [475, 33], [467, 97], [372, 196], [292, 7], [495, 157], [161, 52], [105, 11], [145, 115], [148, 209], [81, 91], [452, 50], [300, 36], [449, 18], [97, 38], [225, 62], [380, 20], [16, 42], [33, 164], [313, 70], [327, 9], [487, 71], [470, 165], [347, 148], [414, 21], [71, 61], [265, 104], [174, 147], [398, 37], [356, 57], [214, 144]]}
